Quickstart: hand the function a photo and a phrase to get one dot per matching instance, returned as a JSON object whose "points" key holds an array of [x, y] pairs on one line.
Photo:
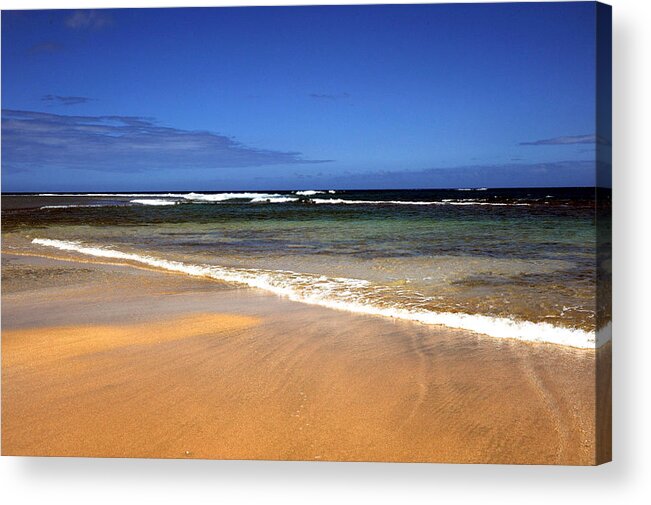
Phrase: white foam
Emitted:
{"points": [[473, 201], [274, 199], [333, 201], [154, 201], [125, 195], [311, 192], [406, 202], [73, 206], [222, 197], [345, 294], [308, 192], [201, 197]]}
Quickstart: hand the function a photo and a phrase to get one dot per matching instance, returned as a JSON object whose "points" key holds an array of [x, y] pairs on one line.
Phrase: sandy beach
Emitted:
{"points": [[117, 361]]}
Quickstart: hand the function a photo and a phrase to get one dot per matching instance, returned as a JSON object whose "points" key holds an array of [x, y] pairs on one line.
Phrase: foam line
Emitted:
{"points": [[346, 294], [154, 201]]}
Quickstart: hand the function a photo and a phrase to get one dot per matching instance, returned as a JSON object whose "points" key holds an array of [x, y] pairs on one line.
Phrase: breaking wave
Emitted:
{"points": [[353, 295]]}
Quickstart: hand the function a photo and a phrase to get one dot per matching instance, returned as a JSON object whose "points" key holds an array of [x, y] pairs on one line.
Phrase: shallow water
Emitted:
{"points": [[492, 257]]}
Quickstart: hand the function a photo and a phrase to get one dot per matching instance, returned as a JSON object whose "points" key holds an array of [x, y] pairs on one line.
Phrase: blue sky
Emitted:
{"points": [[300, 97]]}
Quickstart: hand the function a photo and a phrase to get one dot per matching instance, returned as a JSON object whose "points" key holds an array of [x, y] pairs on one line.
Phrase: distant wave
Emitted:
{"points": [[173, 198], [221, 197], [404, 202], [274, 199], [163, 199], [311, 192], [226, 197], [346, 294], [73, 206], [154, 201], [125, 195], [308, 192], [498, 204]]}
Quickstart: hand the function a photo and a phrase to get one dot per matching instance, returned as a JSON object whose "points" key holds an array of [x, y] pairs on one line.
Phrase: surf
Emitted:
{"points": [[348, 295]]}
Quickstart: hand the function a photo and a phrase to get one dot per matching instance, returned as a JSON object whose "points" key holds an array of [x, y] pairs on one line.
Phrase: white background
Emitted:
{"points": [[626, 480]]}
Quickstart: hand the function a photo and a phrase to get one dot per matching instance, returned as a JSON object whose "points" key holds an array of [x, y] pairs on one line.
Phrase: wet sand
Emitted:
{"points": [[106, 360]]}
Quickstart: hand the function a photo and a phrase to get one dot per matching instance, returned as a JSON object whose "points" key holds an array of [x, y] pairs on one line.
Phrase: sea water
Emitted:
{"points": [[509, 263]]}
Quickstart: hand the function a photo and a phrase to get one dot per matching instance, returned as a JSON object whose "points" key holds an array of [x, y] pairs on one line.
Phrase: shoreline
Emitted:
{"points": [[300, 382], [495, 327]]}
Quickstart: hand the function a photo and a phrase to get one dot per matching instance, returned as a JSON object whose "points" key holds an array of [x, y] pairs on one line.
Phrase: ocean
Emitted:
{"points": [[508, 263]]}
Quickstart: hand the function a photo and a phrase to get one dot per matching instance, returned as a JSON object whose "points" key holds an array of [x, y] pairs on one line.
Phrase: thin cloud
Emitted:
{"points": [[32, 140], [46, 47], [329, 96], [65, 100], [88, 19], [568, 140]]}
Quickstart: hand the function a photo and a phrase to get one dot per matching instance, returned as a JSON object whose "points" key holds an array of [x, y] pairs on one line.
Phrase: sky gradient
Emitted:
{"points": [[464, 95]]}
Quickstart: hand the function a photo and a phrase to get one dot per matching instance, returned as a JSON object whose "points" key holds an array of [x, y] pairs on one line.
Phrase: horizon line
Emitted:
{"points": [[299, 189]]}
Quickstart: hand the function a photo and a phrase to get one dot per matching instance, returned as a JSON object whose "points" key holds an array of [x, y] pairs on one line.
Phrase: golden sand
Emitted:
{"points": [[263, 378]]}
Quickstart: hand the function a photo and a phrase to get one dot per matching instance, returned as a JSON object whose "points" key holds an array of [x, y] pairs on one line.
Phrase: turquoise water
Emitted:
{"points": [[525, 255]]}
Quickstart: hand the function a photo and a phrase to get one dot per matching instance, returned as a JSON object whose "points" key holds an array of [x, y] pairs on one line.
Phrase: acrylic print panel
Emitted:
{"points": [[342, 233]]}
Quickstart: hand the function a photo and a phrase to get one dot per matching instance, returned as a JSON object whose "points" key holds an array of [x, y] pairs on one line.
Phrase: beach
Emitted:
{"points": [[105, 359]]}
